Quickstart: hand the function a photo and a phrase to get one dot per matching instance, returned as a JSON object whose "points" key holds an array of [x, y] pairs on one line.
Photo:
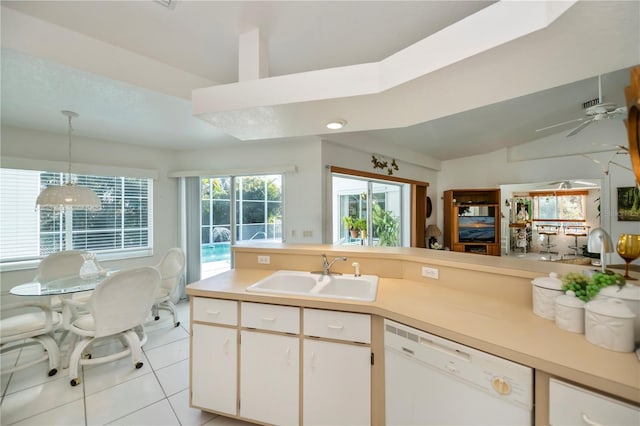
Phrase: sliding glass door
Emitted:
{"points": [[366, 212], [251, 206]]}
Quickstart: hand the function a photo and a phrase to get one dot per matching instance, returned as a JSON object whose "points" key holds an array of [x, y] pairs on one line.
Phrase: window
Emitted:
{"points": [[122, 225], [393, 208], [556, 207], [255, 203], [259, 208], [385, 211]]}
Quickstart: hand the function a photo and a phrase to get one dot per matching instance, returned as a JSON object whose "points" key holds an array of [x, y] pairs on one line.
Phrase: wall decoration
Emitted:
{"points": [[629, 203], [522, 212], [381, 163]]}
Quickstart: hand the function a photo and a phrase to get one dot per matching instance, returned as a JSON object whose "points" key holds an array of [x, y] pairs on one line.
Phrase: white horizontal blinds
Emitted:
{"points": [[123, 221], [18, 216], [26, 233]]}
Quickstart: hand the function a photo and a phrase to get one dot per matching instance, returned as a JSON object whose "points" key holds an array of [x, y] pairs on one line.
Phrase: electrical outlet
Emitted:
{"points": [[430, 272], [265, 260], [307, 234]]}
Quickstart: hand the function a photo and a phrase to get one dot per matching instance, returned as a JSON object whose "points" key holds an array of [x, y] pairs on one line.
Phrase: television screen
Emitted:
{"points": [[476, 229]]}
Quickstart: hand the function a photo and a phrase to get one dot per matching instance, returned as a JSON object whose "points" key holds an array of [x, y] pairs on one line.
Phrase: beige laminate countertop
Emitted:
{"points": [[504, 329]]}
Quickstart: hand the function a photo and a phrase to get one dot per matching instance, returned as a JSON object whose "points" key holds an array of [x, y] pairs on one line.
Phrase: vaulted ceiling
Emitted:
{"points": [[129, 69]]}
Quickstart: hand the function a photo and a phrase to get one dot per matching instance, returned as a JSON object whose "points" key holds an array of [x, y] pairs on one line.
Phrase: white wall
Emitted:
{"points": [[334, 154], [302, 188], [35, 147], [494, 169], [305, 188]]}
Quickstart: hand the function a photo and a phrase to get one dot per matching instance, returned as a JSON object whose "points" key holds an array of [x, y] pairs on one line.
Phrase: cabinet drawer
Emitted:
{"points": [[571, 405], [271, 317], [337, 325], [215, 311]]}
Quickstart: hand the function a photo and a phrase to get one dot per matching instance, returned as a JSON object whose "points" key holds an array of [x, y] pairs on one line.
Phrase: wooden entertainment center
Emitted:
{"points": [[472, 220]]}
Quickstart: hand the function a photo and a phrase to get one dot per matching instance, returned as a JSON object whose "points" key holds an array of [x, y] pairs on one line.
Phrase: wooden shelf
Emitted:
{"points": [[482, 203]]}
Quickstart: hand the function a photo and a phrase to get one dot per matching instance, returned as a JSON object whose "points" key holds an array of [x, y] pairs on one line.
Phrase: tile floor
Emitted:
{"points": [[112, 393]]}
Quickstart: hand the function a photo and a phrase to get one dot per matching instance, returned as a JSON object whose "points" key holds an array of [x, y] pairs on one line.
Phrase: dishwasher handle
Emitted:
{"points": [[448, 350]]}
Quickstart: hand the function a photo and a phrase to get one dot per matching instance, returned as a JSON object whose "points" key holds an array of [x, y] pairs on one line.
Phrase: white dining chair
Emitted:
{"points": [[59, 265], [63, 264], [170, 267], [27, 324], [118, 307]]}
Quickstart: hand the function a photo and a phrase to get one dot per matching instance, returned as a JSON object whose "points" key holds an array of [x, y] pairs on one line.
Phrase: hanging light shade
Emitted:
{"points": [[61, 197]]}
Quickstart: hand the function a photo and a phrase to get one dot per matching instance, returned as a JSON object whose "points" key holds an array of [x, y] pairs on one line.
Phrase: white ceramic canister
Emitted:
{"points": [[570, 313], [545, 290], [630, 294], [609, 324]]}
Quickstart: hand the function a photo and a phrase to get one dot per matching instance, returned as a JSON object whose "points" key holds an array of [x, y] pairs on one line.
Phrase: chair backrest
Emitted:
{"points": [[577, 230], [171, 267], [123, 300], [59, 265]]}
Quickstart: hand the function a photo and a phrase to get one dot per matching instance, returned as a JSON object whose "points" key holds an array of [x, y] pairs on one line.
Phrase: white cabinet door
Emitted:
{"points": [[571, 405], [337, 384], [269, 377], [214, 369]]}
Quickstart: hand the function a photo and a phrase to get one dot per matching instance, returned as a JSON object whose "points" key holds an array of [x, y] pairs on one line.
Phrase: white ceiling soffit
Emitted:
{"points": [[301, 104]]}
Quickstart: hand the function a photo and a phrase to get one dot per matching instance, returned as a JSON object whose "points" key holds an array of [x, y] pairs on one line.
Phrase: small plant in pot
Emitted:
{"points": [[361, 224], [350, 223]]}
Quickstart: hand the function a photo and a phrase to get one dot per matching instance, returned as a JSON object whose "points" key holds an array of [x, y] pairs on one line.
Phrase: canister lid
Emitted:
{"points": [[626, 292], [610, 307], [552, 282], [570, 300]]}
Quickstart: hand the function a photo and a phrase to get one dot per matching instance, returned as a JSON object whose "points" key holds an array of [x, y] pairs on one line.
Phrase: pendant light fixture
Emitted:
{"points": [[61, 197]]}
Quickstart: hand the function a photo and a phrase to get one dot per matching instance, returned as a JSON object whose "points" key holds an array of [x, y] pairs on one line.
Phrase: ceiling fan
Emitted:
{"points": [[595, 110], [566, 184]]}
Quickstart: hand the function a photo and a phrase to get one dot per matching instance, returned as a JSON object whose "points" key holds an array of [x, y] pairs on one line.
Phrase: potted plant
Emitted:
{"points": [[350, 223], [361, 224]]}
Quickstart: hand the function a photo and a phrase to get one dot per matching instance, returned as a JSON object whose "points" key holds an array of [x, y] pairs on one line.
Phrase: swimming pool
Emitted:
{"points": [[215, 252]]}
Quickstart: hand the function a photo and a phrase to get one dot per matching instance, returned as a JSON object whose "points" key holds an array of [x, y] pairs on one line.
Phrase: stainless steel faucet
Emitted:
{"points": [[326, 265]]}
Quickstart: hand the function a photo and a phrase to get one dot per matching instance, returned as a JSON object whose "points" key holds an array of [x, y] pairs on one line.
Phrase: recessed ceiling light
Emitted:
{"points": [[336, 125]]}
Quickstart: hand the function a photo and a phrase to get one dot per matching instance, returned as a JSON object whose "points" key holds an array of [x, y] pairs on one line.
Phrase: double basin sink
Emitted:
{"points": [[362, 288]]}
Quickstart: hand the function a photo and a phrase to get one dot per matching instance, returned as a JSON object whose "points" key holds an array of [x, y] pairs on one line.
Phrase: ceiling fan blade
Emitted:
{"points": [[580, 127], [560, 124], [619, 111]]}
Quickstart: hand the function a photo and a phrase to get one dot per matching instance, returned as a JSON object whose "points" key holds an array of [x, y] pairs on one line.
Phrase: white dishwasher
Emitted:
{"points": [[433, 381]]}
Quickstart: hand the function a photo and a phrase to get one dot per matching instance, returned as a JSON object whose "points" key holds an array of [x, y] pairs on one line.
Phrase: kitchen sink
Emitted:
{"points": [[363, 288]]}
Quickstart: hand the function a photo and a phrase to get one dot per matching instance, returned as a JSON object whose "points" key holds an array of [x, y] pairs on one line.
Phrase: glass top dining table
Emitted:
{"points": [[66, 285]]}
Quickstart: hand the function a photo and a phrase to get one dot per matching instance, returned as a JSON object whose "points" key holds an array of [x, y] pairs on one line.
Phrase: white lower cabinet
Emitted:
{"points": [[270, 363], [571, 405], [269, 377], [336, 384], [336, 376], [265, 352], [214, 355]]}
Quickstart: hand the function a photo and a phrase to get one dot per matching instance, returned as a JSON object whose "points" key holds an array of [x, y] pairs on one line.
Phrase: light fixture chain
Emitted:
{"points": [[69, 153]]}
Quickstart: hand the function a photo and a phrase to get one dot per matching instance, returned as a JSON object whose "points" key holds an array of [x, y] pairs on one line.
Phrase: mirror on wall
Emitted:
{"points": [[550, 220]]}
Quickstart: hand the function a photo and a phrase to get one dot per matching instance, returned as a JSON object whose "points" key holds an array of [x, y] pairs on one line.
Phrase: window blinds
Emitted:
{"points": [[122, 224]]}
